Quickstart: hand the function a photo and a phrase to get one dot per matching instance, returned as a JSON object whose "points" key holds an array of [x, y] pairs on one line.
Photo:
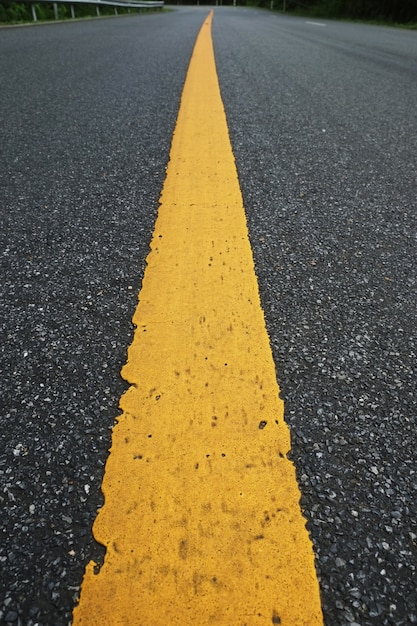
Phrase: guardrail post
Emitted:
{"points": [[136, 5]]}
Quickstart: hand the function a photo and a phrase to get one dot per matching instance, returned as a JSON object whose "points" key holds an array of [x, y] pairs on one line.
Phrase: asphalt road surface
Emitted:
{"points": [[323, 123]]}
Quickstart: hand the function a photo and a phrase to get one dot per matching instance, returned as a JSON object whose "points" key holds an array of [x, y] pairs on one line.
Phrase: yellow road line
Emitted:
{"points": [[201, 520]]}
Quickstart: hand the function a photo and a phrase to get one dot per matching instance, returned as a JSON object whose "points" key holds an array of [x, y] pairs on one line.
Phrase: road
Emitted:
{"points": [[323, 122]]}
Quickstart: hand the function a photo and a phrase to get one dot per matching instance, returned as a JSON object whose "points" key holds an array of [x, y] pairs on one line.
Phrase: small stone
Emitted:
{"points": [[33, 611], [19, 449], [340, 562]]}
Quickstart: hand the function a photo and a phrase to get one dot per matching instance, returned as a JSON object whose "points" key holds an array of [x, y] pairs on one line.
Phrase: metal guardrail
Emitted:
{"points": [[126, 4]]}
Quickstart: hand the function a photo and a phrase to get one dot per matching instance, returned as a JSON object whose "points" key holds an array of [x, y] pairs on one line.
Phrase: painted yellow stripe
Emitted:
{"points": [[201, 519]]}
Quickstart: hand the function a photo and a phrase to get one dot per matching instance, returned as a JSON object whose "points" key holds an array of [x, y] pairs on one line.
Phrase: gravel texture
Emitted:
{"points": [[88, 112], [324, 127], [323, 124]]}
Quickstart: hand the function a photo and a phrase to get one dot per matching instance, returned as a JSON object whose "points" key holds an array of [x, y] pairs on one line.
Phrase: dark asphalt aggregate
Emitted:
{"points": [[323, 121], [323, 125], [88, 111]]}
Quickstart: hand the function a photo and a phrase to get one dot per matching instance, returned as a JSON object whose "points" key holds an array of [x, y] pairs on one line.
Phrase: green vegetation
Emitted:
{"points": [[14, 12], [19, 12], [379, 11]]}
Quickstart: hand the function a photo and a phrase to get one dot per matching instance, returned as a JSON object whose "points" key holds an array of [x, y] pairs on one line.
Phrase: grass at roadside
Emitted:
{"points": [[366, 12], [323, 16], [16, 13]]}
